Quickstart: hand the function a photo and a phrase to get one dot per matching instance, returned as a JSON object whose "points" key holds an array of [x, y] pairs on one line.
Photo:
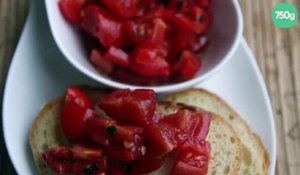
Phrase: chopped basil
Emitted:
{"points": [[111, 131], [179, 4], [91, 169]]}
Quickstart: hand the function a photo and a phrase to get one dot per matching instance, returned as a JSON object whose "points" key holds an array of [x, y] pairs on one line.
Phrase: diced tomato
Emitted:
{"points": [[101, 62], [136, 107], [120, 142], [96, 129], [118, 168], [80, 152], [117, 56], [205, 3], [124, 8], [161, 139], [202, 19], [102, 25], [195, 124], [145, 165], [181, 20], [72, 121], [188, 64], [148, 62], [192, 159], [76, 95], [54, 157], [127, 150], [71, 9], [146, 32], [127, 76], [75, 159]]}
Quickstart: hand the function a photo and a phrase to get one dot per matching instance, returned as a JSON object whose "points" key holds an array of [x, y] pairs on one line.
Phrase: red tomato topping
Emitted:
{"points": [[130, 138], [161, 139], [143, 37], [136, 107], [75, 159], [102, 25], [71, 9], [101, 62], [192, 159], [188, 64], [76, 95], [72, 121]]}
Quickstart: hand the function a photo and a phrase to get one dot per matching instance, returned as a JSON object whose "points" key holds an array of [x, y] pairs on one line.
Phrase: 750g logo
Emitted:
{"points": [[285, 15]]}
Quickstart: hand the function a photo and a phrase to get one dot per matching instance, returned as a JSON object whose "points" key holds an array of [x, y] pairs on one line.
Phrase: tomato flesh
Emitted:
{"points": [[117, 56], [76, 95], [192, 159], [72, 121], [101, 62], [136, 107], [102, 25], [71, 9], [131, 138], [188, 64]]}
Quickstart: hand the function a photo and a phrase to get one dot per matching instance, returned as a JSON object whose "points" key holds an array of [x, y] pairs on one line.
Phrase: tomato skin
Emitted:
{"points": [[117, 56], [130, 107], [101, 24], [148, 62], [161, 139], [53, 156], [124, 8], [72, 121], [146, 32], [74, 159], [120, 142], [101, 62], [76, 95], [71, 9], [145, 165], [188, 64], [192, 158]]}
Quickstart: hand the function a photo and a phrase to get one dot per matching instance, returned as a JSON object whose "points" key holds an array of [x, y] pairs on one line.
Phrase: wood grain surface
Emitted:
{"points": [[277, 52]]}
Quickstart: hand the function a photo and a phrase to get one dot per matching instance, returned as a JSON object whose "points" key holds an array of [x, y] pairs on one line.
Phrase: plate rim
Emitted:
{"points": [[246, 48]]}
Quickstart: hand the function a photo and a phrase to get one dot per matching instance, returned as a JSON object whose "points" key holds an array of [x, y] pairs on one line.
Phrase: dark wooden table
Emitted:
{"points": [[277, 52]]}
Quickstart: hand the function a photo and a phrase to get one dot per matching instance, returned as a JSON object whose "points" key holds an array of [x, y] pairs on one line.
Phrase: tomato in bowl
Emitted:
{"points": [[157, 44]]}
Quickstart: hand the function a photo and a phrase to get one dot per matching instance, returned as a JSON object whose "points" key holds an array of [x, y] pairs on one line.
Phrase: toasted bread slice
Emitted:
{"points": [[225, 146], [255, 159]]}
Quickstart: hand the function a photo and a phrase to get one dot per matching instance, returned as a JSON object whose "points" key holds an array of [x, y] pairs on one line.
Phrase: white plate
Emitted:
{"points": [[39, 73]]}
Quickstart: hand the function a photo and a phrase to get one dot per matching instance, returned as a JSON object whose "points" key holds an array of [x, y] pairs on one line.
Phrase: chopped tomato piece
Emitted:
{"points": [[145, 165], [102, 25], [202, 19], [188, 64], [71, 9], [117, 56], [53, 159], [161, 139], [205, 3], [101, 62], [131, 107], [192, 159], [148, 62], [76, 95], [72, 121], [146, 32], [195, 124], [181, 20], [120, 142], [75, 159], [124, 8]]}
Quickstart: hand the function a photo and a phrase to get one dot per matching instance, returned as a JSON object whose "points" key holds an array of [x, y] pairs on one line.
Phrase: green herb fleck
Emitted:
{"points": [[91, 169], [111, 131]]}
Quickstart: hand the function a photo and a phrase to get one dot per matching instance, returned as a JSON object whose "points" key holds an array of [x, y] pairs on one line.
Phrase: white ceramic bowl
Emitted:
{"points": [[224, 36]]}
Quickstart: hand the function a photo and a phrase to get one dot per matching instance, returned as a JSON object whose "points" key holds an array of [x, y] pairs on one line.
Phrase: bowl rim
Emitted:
{"points": [[158, 89]]}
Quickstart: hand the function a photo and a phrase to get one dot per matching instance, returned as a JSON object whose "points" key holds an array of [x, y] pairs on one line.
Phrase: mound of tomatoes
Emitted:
{"points": [[129, 137], [144, 42]]}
